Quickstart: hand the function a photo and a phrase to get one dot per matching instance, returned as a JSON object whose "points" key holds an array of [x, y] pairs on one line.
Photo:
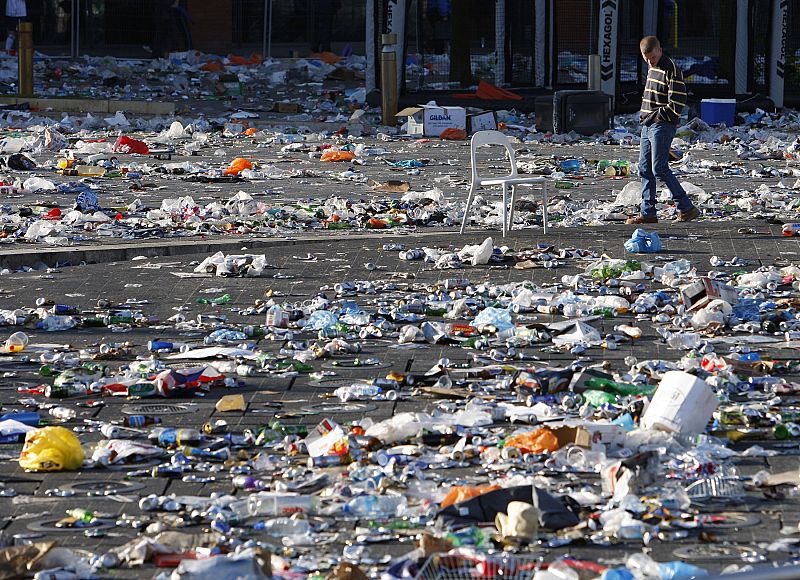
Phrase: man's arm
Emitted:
{"points": [[676, 96]]}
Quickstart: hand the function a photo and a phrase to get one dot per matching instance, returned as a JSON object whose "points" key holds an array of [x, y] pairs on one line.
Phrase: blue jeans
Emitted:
{"points": [[654, 163]]}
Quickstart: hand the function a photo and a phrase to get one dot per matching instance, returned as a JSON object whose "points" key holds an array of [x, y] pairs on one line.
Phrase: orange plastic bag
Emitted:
{"points": [[237, 166], [326, 57], [453, 134], [238, 60], [377, 224], [213, 66], [536, 441], [336, 155], [460, 493]]}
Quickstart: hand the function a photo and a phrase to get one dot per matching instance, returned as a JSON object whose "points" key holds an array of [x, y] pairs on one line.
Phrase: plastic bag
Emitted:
{"points": [[453, 134], [237, 166], [128, 145], [20, 162], [336, 155], [51, 449], [536, 441], [643, 242], [460, 493]]}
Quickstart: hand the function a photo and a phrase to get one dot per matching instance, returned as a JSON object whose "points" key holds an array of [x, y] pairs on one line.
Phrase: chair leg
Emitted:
{"points": [[466, 209], [504, 216], [511, 207], [544, 207]]}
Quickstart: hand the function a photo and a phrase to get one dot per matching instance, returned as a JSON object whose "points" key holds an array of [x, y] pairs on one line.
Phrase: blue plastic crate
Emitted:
{"points": [[716, 111]]}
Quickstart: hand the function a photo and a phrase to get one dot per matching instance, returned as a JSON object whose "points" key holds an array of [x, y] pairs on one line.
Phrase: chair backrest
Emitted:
{"points": [[490, 138]]}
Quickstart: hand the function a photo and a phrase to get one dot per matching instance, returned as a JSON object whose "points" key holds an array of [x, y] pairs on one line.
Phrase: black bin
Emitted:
{"points": [[585, 112]]}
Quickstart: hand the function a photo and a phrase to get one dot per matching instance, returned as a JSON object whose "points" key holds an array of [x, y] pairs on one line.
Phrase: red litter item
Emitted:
{"points": [[126, 144], [172, 560], [53, 214]]}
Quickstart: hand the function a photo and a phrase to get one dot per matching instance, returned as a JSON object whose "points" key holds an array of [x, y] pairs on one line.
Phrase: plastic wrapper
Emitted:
{"points": [[537, 441], [51, 449]]}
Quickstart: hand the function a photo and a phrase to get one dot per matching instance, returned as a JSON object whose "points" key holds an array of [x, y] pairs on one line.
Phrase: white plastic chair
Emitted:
{"points": [[512, 179]]}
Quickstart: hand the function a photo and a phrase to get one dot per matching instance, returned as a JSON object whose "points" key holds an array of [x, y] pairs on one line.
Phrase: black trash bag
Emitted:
{"points": [[20, 162], [556, 513]]}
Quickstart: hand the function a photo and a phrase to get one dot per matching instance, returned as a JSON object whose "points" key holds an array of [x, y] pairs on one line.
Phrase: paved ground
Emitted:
{"points": [[113, 272]]}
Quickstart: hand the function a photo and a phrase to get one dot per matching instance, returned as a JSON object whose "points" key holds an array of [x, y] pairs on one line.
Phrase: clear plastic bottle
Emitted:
{"points": [[56, 323], [415, 254], [356, 392], [373, 506], [63, 413], [283, 527], [281, 504], [224, 336]]}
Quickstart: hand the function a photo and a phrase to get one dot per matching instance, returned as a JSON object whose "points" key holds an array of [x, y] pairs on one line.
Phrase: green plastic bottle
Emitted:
{"points": [[619, 388], [599, 398], [224, 299]]}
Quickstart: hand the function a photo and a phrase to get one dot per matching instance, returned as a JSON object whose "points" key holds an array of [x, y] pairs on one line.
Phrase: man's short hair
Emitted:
{"points": [[648, 44]]}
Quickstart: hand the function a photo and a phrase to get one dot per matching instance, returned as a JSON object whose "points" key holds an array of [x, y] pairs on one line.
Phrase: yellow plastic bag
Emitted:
{"points": [[51, 449]]}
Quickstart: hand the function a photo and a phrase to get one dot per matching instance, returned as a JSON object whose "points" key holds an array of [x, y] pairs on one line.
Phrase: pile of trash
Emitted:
{"points": [[557, 454]]}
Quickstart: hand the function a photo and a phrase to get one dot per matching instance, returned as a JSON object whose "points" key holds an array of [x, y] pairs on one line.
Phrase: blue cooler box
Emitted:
{"points": [[716, 111]]}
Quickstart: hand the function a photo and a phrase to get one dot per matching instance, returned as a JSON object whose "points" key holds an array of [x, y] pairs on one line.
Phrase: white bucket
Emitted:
{"points": [[681, 404]]}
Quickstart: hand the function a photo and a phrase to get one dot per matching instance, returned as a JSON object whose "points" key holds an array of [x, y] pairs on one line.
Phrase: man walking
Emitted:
{"points": [[663, 100], [16, 12]]}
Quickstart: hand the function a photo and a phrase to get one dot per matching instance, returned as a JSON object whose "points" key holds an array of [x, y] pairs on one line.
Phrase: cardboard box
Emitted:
{"points": [[286, 107], [431, 119], [483, 121], [591, 435], [629, 476], [703, 290]]}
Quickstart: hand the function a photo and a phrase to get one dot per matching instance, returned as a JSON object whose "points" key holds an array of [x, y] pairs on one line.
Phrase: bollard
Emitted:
{"points": [[25, 59], [594, 72], [389, 79]]}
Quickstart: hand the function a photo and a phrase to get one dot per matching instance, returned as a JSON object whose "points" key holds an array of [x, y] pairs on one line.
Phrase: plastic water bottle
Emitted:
{"points": [[56, 323], [356, 392], [224, 336], [283, 527], [63, 413], [415, 254], [374, 506], [281, 504]]}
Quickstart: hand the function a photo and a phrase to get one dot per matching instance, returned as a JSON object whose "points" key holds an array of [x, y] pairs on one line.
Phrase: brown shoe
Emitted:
{"points": [[642, 219], [689, 215]]}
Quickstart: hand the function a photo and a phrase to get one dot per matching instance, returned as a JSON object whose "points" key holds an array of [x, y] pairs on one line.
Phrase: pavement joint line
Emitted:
{"points": [[20, 257]]}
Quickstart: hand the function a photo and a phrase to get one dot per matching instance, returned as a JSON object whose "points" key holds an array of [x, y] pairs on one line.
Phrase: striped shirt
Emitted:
{"points": [[664, 94]]}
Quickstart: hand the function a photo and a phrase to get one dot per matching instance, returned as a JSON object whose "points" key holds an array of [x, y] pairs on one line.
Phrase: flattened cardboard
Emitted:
{"points": [[703, 290]]}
